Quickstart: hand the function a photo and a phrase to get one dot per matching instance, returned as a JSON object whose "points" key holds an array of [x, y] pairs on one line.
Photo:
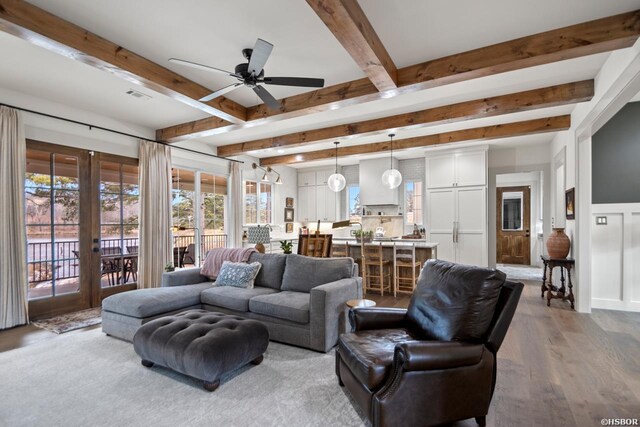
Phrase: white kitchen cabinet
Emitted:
{"points": [[326, 203], [461, 169], [306, 179], [457, 221], [322, 177], [307, 204]]}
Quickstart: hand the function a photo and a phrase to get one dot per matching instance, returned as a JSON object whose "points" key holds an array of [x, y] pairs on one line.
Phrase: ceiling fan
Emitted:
{"points": [[251, 73]]}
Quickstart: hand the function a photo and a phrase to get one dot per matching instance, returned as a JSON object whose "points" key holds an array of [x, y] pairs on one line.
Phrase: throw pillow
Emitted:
{"points": [[237, 274], [304, 273], [454, 301]]}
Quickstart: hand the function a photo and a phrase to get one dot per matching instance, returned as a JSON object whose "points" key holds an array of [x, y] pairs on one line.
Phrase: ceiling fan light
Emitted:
{"points": [[391, 178], [336, 182]]}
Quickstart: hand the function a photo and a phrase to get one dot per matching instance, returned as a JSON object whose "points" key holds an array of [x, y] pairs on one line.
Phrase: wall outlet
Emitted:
{"points": [[601, 220]]}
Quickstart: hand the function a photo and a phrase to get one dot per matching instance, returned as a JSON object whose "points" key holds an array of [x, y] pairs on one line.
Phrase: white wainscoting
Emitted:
{"points": [[615, 256]]}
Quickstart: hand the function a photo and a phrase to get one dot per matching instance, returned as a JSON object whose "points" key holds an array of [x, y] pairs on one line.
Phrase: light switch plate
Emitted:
{"points": [[601, 220]]}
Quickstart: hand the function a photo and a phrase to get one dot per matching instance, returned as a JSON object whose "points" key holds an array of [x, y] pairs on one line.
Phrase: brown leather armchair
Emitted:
{"points": [[434, 362]]}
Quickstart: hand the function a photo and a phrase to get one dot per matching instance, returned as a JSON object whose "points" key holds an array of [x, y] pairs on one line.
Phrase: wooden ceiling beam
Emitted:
{"points": [[348, 23], [601, 35], [529, 127], [48, 31], [569, 93]]}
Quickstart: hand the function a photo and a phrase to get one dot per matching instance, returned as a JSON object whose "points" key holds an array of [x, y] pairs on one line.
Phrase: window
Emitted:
{"points": [[183, 195], [353, 202], [258, 202], [413, 203], [213, 194]]}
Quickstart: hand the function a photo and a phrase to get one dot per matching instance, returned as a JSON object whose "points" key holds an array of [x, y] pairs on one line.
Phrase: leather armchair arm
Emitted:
{"points": [[434, 355], [377, 318]]}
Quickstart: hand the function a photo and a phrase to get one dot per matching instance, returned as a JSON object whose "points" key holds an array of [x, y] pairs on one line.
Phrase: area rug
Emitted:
{"points": [[89, 379], [71, 321]]}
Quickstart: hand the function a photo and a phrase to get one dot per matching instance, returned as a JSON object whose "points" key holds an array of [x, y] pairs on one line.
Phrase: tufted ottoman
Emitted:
{"points": [[202, 344]]}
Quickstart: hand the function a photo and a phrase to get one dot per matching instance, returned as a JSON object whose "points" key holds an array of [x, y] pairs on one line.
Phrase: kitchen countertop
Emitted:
{"points": [[419, 243]]}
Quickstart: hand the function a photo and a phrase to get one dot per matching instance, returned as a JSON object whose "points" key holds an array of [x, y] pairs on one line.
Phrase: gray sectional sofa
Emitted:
{"points": [[300, 299]]}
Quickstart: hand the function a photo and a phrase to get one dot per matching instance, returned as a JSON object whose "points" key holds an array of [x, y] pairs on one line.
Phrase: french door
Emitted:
{"points": [[81, 226]]}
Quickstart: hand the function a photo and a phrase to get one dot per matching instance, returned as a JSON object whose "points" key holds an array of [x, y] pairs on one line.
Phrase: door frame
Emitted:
{"points": [[51, 306], [99, 293], [526, 217], [91, 292]]}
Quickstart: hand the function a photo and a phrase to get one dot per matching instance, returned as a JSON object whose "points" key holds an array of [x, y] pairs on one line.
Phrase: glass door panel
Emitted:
{"points": [[213, 193], [52, 194], [119, 194]]}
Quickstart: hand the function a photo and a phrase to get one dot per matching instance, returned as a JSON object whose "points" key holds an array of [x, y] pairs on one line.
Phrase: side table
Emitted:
{"points": [[359, 303], [548, 287]]}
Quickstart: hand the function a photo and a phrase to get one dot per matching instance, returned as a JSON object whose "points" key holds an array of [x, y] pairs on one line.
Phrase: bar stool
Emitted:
{"points": [[340, 250], [378, 270], [405, 262]]}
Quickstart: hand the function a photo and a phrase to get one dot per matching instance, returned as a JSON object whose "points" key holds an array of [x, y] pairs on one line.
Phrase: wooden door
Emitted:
{"points": [[58, 229], [513, 225]]}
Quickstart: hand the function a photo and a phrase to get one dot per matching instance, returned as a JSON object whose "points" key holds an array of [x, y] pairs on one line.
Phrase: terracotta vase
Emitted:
{"points": [[558, 244]]}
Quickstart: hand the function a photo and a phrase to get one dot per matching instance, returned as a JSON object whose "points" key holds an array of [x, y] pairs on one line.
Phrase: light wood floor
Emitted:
{"points": [[555, 368]]}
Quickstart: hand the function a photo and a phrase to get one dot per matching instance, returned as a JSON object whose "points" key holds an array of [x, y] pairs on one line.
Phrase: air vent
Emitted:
{"points": [[138, 95]]}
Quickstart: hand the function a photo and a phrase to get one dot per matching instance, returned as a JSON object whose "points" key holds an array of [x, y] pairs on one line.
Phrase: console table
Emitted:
{"points": [[548, 287]]}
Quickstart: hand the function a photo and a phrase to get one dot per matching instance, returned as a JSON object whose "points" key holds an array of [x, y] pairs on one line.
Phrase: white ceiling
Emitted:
{"points": [[215, 32]]}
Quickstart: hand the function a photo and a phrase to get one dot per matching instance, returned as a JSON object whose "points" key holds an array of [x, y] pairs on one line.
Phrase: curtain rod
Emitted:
{"points": [[90, 126]]}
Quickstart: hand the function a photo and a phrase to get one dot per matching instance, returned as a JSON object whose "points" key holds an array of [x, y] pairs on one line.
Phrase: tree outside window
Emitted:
{"points": [[355, 209], [413, 203]]}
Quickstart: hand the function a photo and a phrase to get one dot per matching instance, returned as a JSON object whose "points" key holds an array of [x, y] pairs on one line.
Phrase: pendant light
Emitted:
{"points": [[336, 181], [391, 178]]}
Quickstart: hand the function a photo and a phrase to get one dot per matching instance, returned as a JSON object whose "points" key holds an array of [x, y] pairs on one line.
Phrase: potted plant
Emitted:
{"points": [[169, 267], [286, 246], [363, 236]]}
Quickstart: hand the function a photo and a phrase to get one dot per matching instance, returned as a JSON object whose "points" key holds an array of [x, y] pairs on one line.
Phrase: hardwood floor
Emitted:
{"points": [[556, 367]]}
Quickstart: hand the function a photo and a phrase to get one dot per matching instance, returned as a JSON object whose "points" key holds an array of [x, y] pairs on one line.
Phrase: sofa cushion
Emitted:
{"points": [[303, 273], [454, 302], [238, 274], [286, 305], [231, 297], [270, 275], [369, 353], [143, 303]]}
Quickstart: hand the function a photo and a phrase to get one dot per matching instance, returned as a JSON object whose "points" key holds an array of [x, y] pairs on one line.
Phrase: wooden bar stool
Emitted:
{"points": [[378, 270], [340, 251], [407, 269], [315, 245]]}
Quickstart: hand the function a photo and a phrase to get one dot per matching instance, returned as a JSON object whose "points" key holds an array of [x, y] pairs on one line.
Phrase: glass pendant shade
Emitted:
{"points": [[336, 182], [391, 178]]}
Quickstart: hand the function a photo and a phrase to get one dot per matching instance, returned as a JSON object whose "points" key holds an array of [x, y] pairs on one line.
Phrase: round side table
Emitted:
{"points": [[359, 303]]}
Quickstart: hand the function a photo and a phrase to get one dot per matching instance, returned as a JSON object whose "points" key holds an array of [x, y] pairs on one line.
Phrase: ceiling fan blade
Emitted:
{"points": [[267, 98], [220, 92], [259, 56], [294, 81], [200, 66]]}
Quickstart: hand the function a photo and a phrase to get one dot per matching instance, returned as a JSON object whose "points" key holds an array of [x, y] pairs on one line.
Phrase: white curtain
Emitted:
{"points": [[13, 245], [156, 246], [234, 215]]}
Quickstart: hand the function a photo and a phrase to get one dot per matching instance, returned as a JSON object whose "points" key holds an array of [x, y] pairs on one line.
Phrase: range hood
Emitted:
{"points": [[372, 192]]}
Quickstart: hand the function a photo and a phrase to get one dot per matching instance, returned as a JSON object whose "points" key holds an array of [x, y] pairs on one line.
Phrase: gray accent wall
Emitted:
{"points": [[616, 158]]}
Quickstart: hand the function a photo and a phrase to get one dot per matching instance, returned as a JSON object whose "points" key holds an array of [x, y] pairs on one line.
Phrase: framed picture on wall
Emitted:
{"points": [[570, 203], [288, 214], [289, 227], [289, 202]]}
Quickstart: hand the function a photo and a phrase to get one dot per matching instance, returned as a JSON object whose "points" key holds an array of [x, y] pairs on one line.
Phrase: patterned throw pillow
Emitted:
{"points": [[237, 274]]}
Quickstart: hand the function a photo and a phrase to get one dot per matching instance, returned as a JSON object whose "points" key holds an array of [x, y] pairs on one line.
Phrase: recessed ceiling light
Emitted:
{"points": [[281, 151]]}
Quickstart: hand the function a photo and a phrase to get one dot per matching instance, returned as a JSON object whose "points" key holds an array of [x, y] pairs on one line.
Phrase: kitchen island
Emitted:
{"points": [[424, 250]]}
